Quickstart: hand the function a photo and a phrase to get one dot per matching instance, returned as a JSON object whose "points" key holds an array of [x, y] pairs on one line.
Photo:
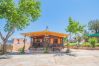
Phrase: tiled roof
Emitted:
{"points": [[45, 32]]}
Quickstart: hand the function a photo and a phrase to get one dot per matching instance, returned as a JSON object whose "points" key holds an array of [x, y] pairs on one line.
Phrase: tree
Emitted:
{"points": [[17, 16], [46, 44], [74, 27], [71, 28], [66, 44], [85, 35], [79, 31], [94, 25]]}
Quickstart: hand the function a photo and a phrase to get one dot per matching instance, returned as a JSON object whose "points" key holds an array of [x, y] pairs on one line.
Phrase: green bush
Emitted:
{"points": [[21, 51], [46, 50], [86, 45], [92, 41], [35, 46], [72, 44], [97, 45]]}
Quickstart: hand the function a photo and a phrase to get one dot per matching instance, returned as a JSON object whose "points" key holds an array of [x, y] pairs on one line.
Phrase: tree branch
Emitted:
{"points": [[1, 36], [9, 33]]}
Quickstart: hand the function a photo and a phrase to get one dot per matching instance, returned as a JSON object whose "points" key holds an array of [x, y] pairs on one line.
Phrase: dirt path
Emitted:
{"points": [[76, 58]]}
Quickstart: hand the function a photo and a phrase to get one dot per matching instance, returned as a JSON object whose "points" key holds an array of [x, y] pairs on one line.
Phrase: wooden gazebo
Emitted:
{"points": [[38, 38]]}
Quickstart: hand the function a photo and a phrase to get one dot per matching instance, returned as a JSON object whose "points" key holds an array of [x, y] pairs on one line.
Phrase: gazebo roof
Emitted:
{"points": [[45, 32], [93, 35]]}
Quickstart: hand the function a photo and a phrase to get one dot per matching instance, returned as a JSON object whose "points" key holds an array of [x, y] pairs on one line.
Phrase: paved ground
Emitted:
{"points": [[76, 58]]}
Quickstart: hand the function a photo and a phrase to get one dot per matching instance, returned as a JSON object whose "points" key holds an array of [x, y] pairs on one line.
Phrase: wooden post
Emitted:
{"points": [[59, 40], [51, 40], [31, 40], [62, 42]]}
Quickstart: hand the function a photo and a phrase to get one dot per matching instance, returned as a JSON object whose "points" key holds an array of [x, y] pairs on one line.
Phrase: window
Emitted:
{"points": [[55, 41], [18, 41], [38, 40]]}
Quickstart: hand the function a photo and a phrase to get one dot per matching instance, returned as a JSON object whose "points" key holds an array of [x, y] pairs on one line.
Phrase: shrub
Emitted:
{"points": [[35, 46], [92, 41], [46, 50], [97, 45], [72, 44], [21, 51], [86, 45]]}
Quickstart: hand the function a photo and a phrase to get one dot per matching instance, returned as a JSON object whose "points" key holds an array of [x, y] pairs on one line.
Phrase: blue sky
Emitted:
{"points": [[55, 14]]}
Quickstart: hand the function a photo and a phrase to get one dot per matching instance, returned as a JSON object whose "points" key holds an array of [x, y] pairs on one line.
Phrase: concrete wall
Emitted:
{"points": [[19, 43]]}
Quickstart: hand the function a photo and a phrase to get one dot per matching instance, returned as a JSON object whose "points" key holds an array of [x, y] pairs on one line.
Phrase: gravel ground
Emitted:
{"points": [[75, 58]]}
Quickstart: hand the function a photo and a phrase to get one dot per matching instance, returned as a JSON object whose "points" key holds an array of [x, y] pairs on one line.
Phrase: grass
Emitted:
{"points": [[72, 44], [86, 44], [89, 45]]}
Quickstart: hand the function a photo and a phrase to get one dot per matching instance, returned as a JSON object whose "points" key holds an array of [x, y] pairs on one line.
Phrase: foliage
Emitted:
{"points": [[71, 28], [94, 25], [97, 45], [78, 38], [72, 44], [17, 16], [86, 44], [85, 35], [46, 50], [21, 50], [74, 28], [65, 39], [92, 41], [35, 46], [72, 24]]}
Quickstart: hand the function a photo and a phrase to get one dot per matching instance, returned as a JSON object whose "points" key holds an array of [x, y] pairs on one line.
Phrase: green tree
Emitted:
{"points": [[94, 25], [74, 27], [71, 28], [85, 35], [66, 43], [79, 37], [17, 16]]}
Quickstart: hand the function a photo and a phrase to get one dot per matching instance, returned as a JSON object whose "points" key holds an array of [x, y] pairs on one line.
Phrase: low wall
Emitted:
{"points": [[16, 47]]}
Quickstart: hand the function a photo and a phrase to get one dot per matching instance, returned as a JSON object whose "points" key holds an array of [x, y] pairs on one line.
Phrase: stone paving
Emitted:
{"points": [[76, 58]]}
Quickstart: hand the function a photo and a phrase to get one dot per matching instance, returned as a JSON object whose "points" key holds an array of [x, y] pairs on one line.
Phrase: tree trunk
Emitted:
{"points": [[68, 47], [4, 49], [46, 46], [24, 44], [24, 49], [78, 41], [5, 39]]}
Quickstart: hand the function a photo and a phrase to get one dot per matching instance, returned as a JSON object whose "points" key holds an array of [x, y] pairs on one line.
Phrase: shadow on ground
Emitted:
{"points": [[6, 56]]}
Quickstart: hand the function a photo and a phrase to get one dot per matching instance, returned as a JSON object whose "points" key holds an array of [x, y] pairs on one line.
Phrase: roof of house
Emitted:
{"points": [[45, 32]]}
